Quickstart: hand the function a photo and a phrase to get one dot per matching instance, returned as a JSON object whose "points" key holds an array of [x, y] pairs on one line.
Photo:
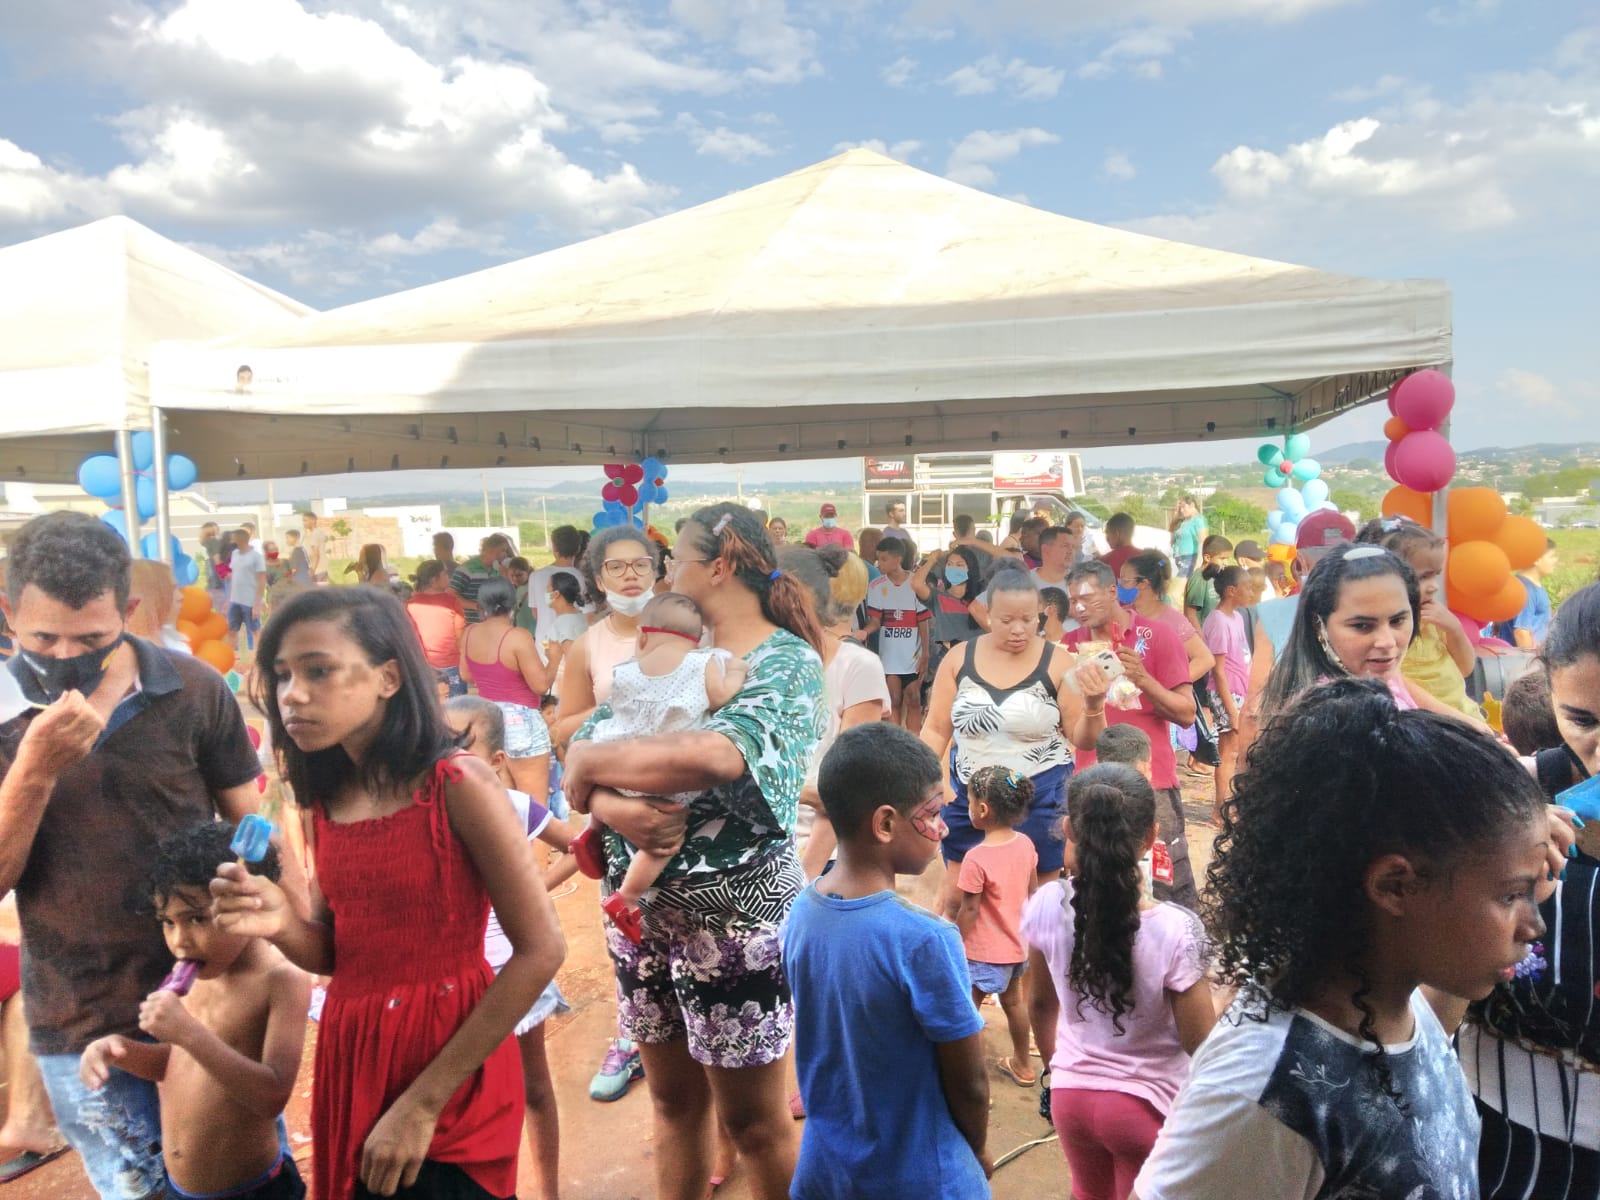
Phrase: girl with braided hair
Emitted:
{"points": [[1120, 994], [1372, 860], [703, 992]]}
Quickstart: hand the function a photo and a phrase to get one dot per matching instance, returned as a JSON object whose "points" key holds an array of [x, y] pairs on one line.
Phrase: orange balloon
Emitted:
{"points": [[1401, 501], [1523, 541], [1478, 568], [1394, 429], [189, 631], [1510, 600], [219, 654], [213, 628], [1476, 514], [196, 605]]}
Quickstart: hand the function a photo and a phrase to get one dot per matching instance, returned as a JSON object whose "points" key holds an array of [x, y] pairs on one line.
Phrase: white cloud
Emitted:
{"points": [[898, 73], [1078, 16], [897, 150], [1118, 167], [777, 49], [1022, 80], [723, 142], [274, 114], [1384, 85], [1536, 393], [971, 162], [1138, 51], [1517, 150]]}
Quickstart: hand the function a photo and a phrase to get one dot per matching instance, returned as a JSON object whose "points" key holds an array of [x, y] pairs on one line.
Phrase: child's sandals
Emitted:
{"points": [[1008, 1068]]}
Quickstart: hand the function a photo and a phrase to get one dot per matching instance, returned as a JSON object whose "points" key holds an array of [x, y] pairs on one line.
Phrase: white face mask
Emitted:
{"points": [[628, 606]]}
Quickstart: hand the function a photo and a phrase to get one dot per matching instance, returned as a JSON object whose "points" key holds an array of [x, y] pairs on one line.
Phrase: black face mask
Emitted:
{"points": [[83, 673]]}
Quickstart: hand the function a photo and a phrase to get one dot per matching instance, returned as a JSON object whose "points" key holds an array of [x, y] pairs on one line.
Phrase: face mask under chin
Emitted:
{"points": [[628, 606]]}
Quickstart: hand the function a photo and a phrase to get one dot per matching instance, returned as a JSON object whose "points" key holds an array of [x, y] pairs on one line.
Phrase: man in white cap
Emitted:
{"points": [[828, 533]]}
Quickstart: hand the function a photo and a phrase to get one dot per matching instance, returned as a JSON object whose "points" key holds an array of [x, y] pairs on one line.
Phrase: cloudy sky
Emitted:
{"points": [[339, 150]]}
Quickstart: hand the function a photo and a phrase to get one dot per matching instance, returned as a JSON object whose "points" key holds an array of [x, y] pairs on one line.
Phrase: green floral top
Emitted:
{"points": [[776, 722]]}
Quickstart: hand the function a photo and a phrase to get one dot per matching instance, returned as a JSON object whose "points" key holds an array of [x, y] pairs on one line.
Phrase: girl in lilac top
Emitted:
{"points": [[1119, 986]]}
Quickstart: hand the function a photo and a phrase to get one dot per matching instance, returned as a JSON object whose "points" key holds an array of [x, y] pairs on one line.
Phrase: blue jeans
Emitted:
{"points": [[116, 1130], [451, 678]]}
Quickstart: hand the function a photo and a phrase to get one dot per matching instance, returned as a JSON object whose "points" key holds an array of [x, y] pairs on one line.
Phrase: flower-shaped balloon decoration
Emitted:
{"points": [[629, 489], [100, 475], [1284, 467]]}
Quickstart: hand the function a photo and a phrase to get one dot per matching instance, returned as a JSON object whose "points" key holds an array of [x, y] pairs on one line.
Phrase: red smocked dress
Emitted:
{"points": [[409, 913]]}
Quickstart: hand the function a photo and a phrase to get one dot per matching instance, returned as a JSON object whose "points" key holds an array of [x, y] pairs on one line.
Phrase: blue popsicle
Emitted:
{"points": [[250, 840]]}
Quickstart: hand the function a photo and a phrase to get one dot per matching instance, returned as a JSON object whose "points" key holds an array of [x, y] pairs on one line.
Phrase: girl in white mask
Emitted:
{"points": [[620, 570]]}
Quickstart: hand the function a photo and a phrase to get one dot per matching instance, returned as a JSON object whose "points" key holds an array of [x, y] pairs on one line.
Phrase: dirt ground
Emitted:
{"points": [[607, 1149]]}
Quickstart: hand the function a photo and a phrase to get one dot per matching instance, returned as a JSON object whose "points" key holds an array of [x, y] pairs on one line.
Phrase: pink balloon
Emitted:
{"points": [[1393, 387], [1424, 461], [1423, 400], [1388, 460]]}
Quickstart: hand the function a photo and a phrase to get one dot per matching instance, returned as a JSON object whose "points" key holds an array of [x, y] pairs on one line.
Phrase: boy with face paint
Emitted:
{"points": [[124, 743], [881, 992]]}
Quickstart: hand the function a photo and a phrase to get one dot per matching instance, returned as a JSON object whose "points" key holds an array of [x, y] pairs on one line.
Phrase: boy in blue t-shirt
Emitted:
{"points": [[887, 1041]]}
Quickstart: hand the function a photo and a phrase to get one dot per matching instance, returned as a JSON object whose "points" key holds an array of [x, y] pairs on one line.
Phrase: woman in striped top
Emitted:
{"points": [[1531, 1051]]}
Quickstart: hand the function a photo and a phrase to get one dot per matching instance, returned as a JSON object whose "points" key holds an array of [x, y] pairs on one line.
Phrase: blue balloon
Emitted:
{"points": [[654, 469], [144, 451], [181, 472], [1274, 478], [1291, 502], [1328, 506], [1296, 446], [186, 571], [661, 496], [1284, 534], [100, 476], [1314, 493], [1307, 469], [615, 508], [604, 520], [1274, 519], [117, 519], [150, 546], [144, 488]]}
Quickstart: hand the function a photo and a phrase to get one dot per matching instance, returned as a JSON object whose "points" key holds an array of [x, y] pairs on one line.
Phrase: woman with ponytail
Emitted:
{"points": [[704, 993], [1120, 987]]}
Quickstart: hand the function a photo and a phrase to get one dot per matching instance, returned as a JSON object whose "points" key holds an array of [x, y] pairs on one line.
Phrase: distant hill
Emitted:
{"points": [[1374, 450]]}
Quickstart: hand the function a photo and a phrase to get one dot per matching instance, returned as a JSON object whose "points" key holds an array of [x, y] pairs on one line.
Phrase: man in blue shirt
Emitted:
{"points": [[1528, 628], [887, 1042]]}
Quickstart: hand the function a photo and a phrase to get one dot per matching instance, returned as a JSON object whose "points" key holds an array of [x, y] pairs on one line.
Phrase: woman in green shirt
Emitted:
{"points": [[704, 993], [1188, 530]]}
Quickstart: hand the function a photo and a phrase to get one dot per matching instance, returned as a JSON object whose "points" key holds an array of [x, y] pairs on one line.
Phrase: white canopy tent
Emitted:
{"points": [[858, 306], [79, 313]]}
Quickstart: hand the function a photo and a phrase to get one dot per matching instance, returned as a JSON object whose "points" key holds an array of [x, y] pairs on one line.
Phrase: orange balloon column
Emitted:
{"points": [[1401, 501], [1523, 542], [1476, 514], [196, 605], [1478, 569], [219, 654]]}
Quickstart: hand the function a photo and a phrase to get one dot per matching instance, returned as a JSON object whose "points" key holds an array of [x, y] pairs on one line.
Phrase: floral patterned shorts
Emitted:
{"points": [[709, 971]]}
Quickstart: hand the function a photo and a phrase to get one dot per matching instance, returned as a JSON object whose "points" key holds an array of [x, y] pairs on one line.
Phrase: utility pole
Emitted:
{"points": [[738, 483], [504, 520], [483, 481], [544, 511]]}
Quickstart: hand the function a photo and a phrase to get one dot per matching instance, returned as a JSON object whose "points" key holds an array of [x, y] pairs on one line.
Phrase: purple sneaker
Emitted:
{"points": [[622, 1065]]}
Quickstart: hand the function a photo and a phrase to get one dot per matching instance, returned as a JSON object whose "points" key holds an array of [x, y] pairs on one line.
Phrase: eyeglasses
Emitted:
{"points": [[616, 568]]}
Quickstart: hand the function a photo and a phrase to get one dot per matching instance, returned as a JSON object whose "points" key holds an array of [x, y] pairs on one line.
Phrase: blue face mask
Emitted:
{"points": [[1126, 596], [829, 522], [955, 576]]}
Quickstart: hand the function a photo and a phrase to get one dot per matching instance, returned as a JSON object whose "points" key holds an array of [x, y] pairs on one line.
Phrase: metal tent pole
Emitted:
{"points": [[158, 442], [130, 494]]}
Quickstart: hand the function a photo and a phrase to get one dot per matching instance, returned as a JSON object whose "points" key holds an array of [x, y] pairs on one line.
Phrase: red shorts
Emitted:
{"points": [[10, 971]]}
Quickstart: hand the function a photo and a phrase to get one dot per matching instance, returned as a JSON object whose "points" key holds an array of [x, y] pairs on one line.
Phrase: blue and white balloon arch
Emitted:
{"points": [[100, 476]]}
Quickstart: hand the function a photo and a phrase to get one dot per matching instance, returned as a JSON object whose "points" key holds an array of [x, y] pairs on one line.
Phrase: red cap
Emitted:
{"points": [[1321, 529], [829, 510]]}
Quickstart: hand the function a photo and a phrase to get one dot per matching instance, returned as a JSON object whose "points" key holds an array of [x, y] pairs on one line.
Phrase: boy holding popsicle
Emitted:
{"points": [[229, 1028]]}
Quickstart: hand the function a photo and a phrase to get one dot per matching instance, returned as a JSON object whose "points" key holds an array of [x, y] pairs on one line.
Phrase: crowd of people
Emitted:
{"points": [[1384, 987]]}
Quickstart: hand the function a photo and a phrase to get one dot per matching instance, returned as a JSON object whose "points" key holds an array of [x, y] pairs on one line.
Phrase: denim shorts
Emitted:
{"points": [[527, 736], [451, 678], [116, 1130], [992, 979]]}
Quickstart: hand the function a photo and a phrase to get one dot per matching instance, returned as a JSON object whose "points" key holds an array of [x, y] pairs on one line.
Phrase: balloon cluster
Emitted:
{"points": [[1486, 546], [206, 632], [629, 487], [1419, 457], [1293, 462], [100, 475]]}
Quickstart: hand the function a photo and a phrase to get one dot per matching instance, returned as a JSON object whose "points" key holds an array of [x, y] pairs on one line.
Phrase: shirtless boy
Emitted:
{"points": [[226, 1055]]}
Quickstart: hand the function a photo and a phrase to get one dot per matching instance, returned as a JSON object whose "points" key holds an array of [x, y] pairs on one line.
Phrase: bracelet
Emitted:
{"points": [[1094, 712]]}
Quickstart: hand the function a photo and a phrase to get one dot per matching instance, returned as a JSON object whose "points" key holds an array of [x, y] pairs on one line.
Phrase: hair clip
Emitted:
{"points": [[1357, 553], [1013, 779], [775, 574], [1391, 524], [722, 523]]}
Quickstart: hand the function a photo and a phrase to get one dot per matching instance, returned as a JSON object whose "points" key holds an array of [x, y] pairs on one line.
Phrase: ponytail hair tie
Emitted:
{"points": [[722, 523], [775, 574]]}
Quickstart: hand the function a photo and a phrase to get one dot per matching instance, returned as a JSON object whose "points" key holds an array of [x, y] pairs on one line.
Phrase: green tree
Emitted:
{"points": [[340, 527], [1346, 500], [1520, 506], [1143, 511], [1230, 515]]}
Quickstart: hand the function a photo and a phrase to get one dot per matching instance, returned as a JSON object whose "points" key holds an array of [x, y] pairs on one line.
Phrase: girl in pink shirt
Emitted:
{"points": [[1119, 986], [997, 877]]}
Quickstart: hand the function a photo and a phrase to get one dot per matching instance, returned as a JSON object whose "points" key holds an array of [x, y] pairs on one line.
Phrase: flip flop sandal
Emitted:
{"points": [[1009, 1070], [28, 1160]]}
